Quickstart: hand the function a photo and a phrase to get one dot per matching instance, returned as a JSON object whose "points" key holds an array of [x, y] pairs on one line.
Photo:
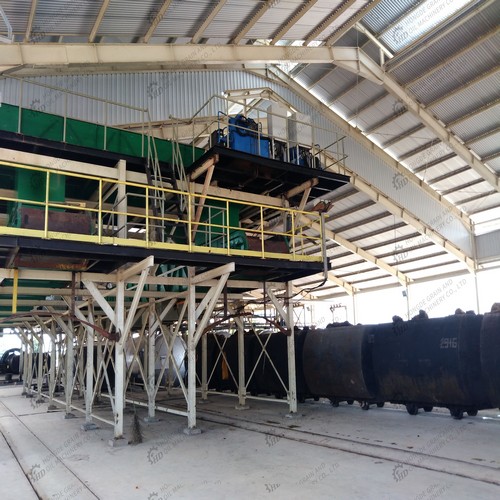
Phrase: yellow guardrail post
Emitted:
{"points": [[262, 230], [146, 206], [46, 216], [228, 228], [99, 214], [190, 212], [14, 291]]}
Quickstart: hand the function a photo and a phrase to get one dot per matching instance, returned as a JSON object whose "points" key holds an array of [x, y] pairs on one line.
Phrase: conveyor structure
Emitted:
{"points": [[111, 240]]}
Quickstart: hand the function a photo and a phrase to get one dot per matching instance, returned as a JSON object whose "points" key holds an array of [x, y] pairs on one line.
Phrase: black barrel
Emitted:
{"points": [[432, 362], [266, 380], [338, 365], [490, 356]]}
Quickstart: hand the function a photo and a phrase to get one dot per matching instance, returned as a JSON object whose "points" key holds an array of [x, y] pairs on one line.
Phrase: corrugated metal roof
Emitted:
{"points": [[342, 19], [488, 145], [270, 22], [460, 70], [494, 163], [471, 98], [477, 124], [61, 17], [128, 17], [386, 13], [17, 13], [227, 21], [181, 18], [312, 73], [434, 52], [165, 94], [313, 17]]}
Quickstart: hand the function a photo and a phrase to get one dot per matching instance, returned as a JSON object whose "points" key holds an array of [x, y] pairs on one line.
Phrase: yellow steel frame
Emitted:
{"points": [[298, 235]]}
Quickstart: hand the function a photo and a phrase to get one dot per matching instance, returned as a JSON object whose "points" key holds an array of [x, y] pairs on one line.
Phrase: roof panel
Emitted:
{"points": [[182, 18], [487, 145], [312, 73], [458, 71], [477, 124], [312, 18], [494, 163], [432, 272], [63, 17], [435, 51], [385, 13], [230, 19], [271, 21]]}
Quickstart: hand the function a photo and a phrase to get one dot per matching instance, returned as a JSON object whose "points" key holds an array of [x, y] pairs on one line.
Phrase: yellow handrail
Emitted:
{"points": [[139, 222]]}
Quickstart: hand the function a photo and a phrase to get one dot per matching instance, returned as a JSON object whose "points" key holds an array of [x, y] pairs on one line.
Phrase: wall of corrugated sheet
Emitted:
{"points": [[181, 94]]}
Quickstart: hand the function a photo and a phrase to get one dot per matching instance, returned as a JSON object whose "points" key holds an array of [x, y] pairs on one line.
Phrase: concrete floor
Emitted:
{"points": [[325, 452]]}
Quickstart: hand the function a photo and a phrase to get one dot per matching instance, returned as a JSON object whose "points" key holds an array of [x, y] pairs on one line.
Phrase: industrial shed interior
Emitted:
{"points": [[227, 227]]}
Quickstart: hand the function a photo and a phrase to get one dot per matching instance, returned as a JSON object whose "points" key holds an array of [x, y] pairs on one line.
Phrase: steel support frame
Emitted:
{"points": [[284, 308]]}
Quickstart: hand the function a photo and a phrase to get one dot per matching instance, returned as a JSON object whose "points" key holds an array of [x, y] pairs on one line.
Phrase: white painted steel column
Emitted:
{"points": [[119, 360], [170, 362], [89, 390], [80, 337], [29, 378], [241, 365], [69, 365], [25, 365], [191, 348], [151, 363], [290, 342], [52, 371], [99, 361], [39, 370], [204, 366]]}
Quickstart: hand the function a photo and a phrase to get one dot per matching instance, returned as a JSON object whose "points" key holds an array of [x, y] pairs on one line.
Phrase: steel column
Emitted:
{"points": [[290, 342], [119, 360], [191, 352], [69, 365], [151, 344]]}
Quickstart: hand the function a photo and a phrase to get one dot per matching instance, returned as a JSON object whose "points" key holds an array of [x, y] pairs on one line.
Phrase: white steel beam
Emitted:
{"points": [[98, 21], [207, 21], [69, 58], [432, 123], [268, 4], [348, 245], [296, 16], [340, 282], [375, 193], [328, 20], [156, 21], [31, 18], [46, 274], [101, 301]]}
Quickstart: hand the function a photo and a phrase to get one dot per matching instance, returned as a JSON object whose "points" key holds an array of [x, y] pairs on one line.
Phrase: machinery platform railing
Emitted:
{"points": [[112, 212]]}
